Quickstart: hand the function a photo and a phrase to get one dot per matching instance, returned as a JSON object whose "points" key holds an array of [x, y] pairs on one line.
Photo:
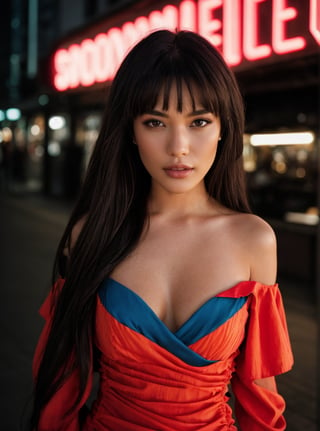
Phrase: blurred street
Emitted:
{"points": [[29, 232], [30, 229]]}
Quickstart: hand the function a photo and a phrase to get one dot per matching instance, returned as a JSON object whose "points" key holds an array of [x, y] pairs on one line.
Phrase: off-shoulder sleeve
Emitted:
{"points": [[53, 416], [265, 352]]}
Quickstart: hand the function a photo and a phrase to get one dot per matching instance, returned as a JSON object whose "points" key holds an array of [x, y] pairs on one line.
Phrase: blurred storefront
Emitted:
{"points": [[273, 48], [282, 170]]}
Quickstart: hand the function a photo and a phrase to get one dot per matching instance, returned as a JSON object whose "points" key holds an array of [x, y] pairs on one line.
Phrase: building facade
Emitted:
{"points": [[63, 56]]}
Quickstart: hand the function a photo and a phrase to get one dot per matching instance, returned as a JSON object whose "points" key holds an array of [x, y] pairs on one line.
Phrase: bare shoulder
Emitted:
{"points": [[258, 240], [76, 230], [256, 231]]}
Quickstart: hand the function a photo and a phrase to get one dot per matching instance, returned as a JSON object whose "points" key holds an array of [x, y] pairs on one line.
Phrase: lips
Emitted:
{"points": [[178, 171]]}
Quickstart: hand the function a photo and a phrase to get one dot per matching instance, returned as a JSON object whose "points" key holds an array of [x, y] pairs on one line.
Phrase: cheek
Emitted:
{"points": [[210, 150], [209, 157], [145, 151], [147, 155]]}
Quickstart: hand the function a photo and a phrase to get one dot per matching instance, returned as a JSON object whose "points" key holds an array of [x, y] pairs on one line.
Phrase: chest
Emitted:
{"points": [[175, 272], [214, 331]]}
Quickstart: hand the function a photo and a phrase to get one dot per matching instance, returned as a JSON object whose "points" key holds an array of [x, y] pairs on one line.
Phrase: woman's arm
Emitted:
{"points": [[265, 351]]}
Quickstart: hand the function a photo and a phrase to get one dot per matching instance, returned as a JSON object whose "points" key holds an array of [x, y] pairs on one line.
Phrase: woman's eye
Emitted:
{"points": [[153, 123], [199, 122]]}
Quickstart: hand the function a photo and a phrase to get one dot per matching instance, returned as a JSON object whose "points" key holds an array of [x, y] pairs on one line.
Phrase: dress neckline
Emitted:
{"points": [[240, 289]]}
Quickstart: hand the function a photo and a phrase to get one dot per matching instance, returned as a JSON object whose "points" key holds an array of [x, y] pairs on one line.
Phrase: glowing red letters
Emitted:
{"points": [[230, 25]]}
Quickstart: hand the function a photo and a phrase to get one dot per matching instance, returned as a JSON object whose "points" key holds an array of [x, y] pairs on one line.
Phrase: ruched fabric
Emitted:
{"points": [[154, 379]]}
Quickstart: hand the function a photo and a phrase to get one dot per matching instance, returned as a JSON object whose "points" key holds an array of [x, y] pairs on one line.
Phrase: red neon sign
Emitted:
{"points": [[252, 50], [314, 19], [281, 14], [233, 26]]}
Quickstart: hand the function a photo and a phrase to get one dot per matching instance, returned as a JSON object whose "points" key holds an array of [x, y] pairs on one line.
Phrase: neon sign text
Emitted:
{"points": [[230, 25]]}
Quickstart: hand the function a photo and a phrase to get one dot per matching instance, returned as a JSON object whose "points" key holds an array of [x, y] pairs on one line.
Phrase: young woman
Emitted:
{"points": [[164, 282]]}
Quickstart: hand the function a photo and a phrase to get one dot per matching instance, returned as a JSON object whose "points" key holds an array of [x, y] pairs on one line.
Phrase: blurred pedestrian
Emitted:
{"points": [[165, 283]]}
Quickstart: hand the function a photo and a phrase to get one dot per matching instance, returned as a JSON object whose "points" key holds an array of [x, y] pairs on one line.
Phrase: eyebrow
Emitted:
{"points": [[164, 115]]}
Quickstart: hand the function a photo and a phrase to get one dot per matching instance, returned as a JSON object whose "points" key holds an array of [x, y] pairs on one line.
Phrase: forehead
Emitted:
{"points": [[180, 97]]}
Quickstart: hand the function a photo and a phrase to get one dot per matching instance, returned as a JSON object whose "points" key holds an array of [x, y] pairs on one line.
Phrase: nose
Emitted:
{"points": [[178, 143]]}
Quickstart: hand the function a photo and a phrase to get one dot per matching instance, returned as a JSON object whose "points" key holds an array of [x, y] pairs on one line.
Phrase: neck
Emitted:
{"points": [[180, 205]]}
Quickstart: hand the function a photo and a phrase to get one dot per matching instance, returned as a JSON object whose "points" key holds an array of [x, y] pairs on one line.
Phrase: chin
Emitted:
{"points": [[179, 189]]}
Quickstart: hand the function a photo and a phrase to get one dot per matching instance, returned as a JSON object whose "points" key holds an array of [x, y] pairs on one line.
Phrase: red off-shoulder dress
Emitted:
{"points": [[152, 379]]}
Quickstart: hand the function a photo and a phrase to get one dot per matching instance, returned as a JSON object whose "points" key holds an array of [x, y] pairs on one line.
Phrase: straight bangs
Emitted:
{"points": [[159, 82]]}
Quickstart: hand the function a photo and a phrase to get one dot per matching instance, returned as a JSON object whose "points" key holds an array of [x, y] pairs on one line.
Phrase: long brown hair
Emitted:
{"points": [[113, 198]]}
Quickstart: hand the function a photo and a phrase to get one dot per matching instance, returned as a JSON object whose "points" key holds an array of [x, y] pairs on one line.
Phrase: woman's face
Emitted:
{"points": [[177, 148]]}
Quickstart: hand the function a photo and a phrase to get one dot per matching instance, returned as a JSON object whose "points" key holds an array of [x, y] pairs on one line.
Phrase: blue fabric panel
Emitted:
{"points": [[131, 310], [208, 318]]}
